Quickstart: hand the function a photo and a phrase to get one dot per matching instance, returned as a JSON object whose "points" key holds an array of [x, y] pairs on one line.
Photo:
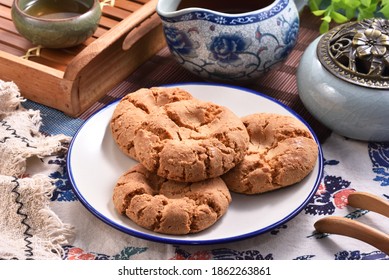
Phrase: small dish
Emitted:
{"points": [[56, 24], [95, 163]]}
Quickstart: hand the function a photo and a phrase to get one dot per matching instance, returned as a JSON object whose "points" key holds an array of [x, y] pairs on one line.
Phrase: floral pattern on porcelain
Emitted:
{"points": [[233, 48]]}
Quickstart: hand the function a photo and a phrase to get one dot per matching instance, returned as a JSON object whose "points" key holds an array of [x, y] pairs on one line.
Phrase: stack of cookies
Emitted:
{"points": [[192, 153]]}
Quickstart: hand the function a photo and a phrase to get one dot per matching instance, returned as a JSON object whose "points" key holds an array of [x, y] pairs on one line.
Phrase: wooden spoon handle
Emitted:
{"points": [[354, 229], [370, 202]]}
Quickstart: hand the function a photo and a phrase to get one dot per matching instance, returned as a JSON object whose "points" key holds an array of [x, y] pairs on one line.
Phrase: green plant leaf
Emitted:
{"points": [[341, 11], [326, 19], [318, 12], [372, 8], [350, 13], [385, 11], [324, 27], [353, 4], [314, 4], [338, 17], [365, 13], [366, 3]]}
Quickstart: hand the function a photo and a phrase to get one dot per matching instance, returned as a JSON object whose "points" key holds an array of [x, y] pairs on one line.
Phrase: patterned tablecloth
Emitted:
{"points": [[349, 166]]}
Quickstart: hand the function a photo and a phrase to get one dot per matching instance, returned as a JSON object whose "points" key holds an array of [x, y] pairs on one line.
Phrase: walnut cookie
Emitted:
{"points": [[167, 206], [281, 153], [191, 140], [133, 108]]}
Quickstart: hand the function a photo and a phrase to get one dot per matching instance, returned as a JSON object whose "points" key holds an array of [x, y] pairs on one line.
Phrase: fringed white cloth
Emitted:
{"points": [[28, 227]]}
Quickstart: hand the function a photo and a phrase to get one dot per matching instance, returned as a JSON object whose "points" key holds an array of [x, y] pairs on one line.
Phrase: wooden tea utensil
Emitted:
{"points": [[355, 229], [370, 202]]}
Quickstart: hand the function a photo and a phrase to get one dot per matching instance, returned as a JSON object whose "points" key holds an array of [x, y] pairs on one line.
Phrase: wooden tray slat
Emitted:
{"points": [[107, 22], [72, 79], [5, 12], [141, 1], [11, 50], [6, 2], [100, 31], [60, 57], [8, 25], [116, 13], [48, 62], [128, 5], [15, 40], [53, 58]]}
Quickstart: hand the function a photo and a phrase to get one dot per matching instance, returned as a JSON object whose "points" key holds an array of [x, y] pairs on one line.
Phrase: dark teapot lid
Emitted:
{"points": [[358, 52]]}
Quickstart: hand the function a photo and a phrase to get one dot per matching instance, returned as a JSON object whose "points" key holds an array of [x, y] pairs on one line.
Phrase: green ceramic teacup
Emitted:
{"points": [[56, 23]]}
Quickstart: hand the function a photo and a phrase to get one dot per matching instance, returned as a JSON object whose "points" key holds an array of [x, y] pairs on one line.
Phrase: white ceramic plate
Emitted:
{"points": [[95, 163]]}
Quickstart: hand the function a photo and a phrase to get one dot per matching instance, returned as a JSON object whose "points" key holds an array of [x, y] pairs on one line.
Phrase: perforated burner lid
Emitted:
{"points": [[358, 52]]}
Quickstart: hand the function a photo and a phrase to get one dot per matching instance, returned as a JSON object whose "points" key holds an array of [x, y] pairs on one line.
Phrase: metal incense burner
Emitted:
{"points": [[343, 79], [358, 52]]}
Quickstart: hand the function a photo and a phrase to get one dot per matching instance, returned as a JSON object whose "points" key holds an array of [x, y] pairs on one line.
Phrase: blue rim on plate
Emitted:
{"points": [[102, 209]]}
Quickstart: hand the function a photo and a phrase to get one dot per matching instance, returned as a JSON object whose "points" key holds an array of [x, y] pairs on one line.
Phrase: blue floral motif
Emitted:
{"points": [[179, 42], [75, 253], [290, 34], [283, 45], [221, 254], [305, 257], [220, 51], [379, 155], [322, 202], [225, 49], [331, 162], [128, 252], [243, 20], [357, 255], [64, 189], [278, 229], [229, 254], [357, 214], [220, 20]]}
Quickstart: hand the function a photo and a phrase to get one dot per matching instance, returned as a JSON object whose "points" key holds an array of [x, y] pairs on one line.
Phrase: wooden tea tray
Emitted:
{"points": [[72, 79]]}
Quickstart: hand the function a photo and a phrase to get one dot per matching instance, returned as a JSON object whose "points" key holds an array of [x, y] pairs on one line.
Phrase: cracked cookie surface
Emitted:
{"points": [[170, 207], [133, 108], [281, 153], [191, 140]]}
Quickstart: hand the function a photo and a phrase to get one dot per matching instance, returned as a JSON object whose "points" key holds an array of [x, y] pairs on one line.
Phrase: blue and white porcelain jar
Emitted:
{"points": [[223, 43]]}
